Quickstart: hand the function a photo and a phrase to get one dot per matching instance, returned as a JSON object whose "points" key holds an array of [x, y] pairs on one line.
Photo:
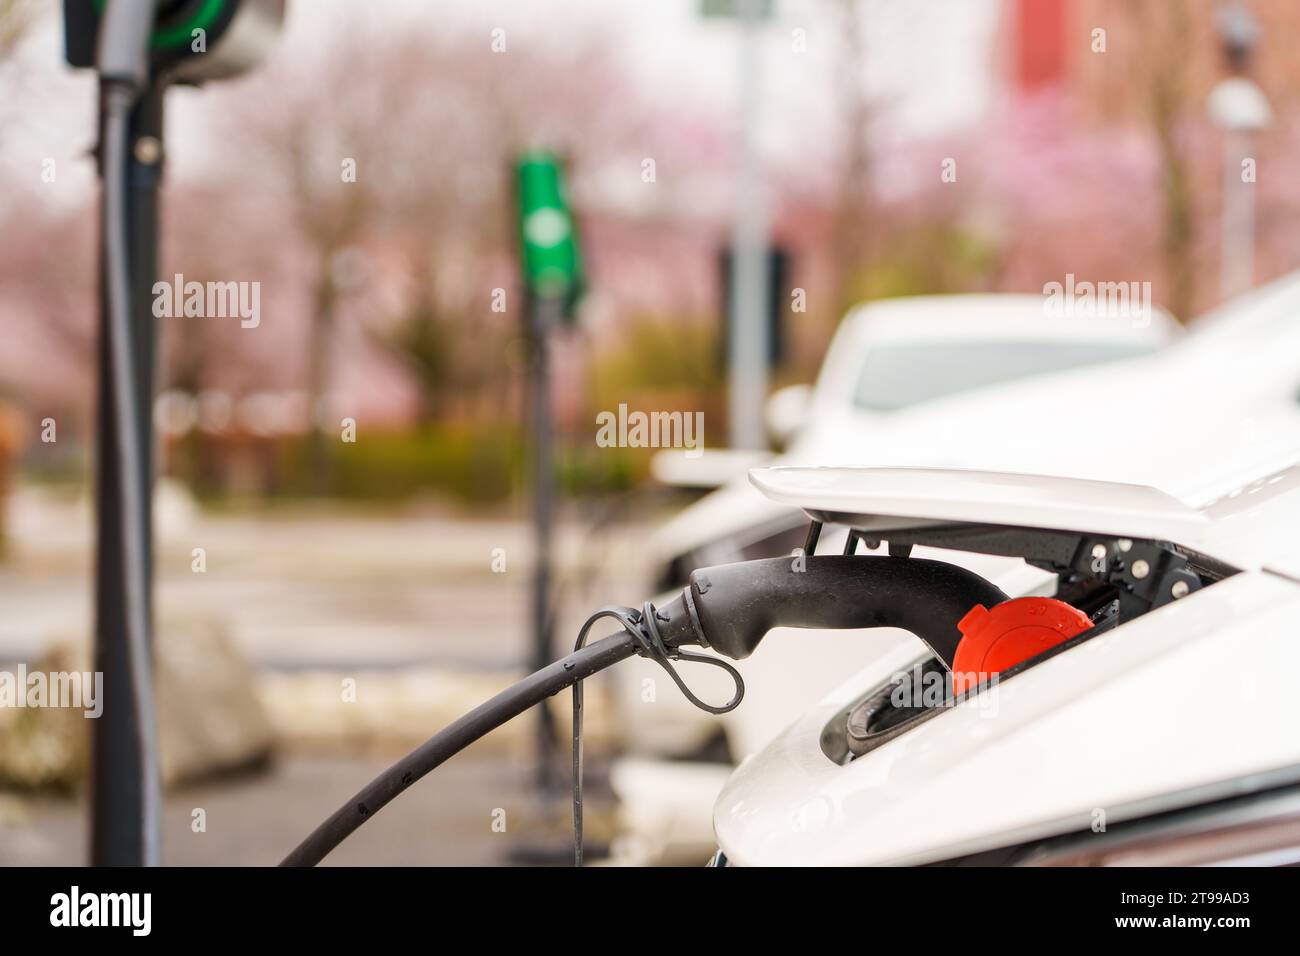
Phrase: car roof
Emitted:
{"points": [[996, 316], [1245, 528], [1268, 310]]}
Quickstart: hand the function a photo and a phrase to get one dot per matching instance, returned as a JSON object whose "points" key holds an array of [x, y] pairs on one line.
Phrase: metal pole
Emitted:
{"points": [[544, 314], [1237, 258], [749, 261], [117, 825]]}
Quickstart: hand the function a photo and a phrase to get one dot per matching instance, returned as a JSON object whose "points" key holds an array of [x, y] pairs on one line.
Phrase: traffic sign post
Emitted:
{"points": [[552, 273]]}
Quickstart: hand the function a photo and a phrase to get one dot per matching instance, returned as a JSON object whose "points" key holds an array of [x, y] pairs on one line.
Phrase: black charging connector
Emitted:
{"points": [[730, 608]]}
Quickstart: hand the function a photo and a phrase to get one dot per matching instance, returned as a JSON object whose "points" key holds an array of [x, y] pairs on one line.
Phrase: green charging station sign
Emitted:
{"points": [[548, 241]]}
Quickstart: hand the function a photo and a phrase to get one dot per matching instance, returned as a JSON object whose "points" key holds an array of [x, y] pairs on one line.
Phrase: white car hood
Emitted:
{"points": [[1248, 527]]}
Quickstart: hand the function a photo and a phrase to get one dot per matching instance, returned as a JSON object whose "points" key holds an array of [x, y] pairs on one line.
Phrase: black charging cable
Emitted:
{"points": [[728, 609], [122, 62], [534, 689], [642, 627], [455, 737]]}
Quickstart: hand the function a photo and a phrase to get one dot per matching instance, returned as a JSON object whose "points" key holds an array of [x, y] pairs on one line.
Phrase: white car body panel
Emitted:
{"points": [[1031, 501], [1141, 715]]}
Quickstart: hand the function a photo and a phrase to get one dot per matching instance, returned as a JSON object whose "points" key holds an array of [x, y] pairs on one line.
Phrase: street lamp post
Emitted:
{"points": [[1240, 109], [749, 279], [747, 330]]}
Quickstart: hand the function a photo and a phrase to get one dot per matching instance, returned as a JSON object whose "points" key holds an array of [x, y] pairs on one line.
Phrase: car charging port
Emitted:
{"points": [[927, 688], [995, 639]]}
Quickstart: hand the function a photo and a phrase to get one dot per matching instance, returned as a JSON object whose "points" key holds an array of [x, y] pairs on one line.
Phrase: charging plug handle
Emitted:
{"points": [[731, 608]]}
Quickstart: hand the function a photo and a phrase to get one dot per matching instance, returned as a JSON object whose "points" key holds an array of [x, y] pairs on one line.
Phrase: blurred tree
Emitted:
{"points": [[927, 258], [426, 342], [1158, 66], [1169, 102], [309, 141], [16, 20], [397, 145], [662, 363]]}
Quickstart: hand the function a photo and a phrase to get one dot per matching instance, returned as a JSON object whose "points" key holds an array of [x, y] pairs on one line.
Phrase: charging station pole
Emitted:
{"points": [[542, 318], [552, 275], [117, 818], [144, 45]]}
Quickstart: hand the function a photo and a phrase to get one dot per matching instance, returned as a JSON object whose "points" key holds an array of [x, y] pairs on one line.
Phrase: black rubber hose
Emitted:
{"points": [[731, 607], [458, 735]]}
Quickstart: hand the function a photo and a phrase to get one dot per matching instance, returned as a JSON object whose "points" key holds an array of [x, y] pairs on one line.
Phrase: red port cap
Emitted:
{"points": [[1013, 631]]}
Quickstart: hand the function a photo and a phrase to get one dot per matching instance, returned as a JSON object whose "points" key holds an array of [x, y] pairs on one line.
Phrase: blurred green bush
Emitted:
{"points": [[474, 464], [927, 259]]}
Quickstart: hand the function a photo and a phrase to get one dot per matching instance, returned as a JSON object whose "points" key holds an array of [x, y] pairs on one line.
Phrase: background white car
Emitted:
{"points": [[895, 375]]}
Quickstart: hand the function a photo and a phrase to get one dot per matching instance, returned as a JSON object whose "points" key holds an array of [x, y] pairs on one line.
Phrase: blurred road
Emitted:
{"points": [[315, 588], [410, 601], [446, 819]]}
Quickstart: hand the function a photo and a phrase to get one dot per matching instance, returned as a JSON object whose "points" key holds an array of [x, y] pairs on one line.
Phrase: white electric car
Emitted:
{"points": [[1197, 418], [1164, 733]]}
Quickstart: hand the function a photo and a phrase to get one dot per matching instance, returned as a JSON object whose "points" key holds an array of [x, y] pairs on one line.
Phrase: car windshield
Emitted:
{"points": [[899, 375]]}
